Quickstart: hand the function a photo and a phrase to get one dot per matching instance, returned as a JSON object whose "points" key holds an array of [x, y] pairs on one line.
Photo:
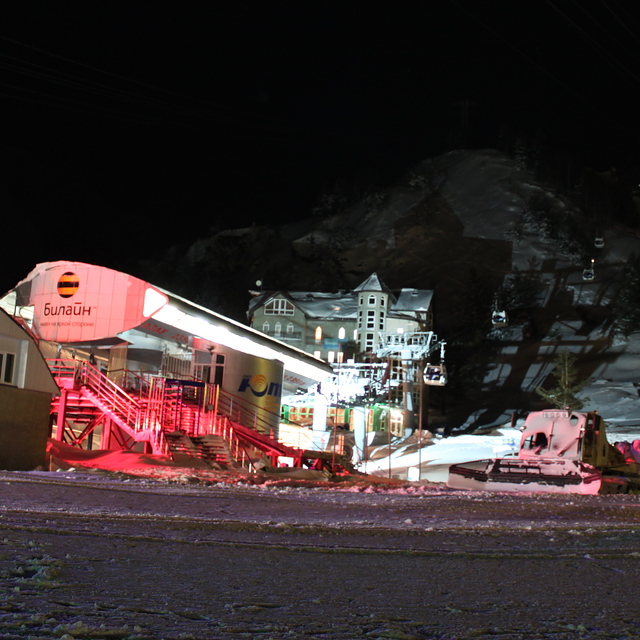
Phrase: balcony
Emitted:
{"points": [[290, 336]]}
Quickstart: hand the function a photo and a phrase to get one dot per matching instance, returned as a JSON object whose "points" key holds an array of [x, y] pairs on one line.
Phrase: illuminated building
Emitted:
{"points": [[338, 326], [136, 362]]}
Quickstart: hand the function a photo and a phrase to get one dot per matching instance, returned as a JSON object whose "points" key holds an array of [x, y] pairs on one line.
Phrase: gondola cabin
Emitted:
{"points": [[499, 319], [435, 375]]}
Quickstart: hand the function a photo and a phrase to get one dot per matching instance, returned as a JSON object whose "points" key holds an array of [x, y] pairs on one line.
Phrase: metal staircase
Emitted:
{"points": [[183, 419]]}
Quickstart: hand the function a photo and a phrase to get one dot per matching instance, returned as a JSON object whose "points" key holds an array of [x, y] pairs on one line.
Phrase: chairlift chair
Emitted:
{"points": [[598, 243]]}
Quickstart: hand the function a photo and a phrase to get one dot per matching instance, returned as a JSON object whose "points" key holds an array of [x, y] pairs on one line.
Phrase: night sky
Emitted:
{"points": [[128, 127]]}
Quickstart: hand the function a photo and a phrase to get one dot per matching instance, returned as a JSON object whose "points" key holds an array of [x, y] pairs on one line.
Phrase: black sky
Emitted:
{"points": [[142, 124]]}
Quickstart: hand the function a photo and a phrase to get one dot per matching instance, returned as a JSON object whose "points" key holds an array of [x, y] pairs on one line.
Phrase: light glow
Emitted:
{"points": [[209, 331], [153, 301]]}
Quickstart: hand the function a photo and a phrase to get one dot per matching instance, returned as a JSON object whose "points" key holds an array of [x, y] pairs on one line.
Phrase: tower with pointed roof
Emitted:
{"points": [[374, 300]]}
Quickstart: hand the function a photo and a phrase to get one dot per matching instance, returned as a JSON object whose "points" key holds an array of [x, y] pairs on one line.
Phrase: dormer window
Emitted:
{"points": [[279, 307]]}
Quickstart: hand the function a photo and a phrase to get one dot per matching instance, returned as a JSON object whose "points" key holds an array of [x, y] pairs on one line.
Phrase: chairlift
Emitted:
{"points": [[598, 243], [588, 274], [436, 374], [499, 318]]}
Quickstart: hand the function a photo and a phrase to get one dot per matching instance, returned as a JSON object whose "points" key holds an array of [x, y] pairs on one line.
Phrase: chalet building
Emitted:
{"points": [[336, 326], [26, 389]]}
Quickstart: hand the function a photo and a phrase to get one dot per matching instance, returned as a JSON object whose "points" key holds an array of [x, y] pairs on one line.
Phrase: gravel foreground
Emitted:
{"points": [[91, 556]]}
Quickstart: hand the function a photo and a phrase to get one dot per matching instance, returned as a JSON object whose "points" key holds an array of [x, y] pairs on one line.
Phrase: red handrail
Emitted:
{"points": [[123, 406]]}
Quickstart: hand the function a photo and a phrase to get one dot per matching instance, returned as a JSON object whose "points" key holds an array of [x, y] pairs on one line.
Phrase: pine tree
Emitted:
{"points": [[563, 395]]}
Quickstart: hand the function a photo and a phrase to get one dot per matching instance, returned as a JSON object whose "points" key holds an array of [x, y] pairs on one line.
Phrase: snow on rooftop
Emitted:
{"points": [[320, 305], [413, 300]]}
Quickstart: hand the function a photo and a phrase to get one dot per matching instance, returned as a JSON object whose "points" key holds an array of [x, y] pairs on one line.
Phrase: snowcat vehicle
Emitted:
{"points": [[560, 452]]}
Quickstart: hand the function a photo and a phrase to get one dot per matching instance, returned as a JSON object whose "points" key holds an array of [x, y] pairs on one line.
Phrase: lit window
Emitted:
{"points": [[265, 327], [317, 354], [355, 334], [279, 307], [318, 334], [400, 330], [7, 362], [278, 329], [331, 356], [340, 357], [342, 332]]}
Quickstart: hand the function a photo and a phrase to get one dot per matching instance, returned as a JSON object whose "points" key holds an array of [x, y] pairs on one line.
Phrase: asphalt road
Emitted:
{"points": [[96, 557]]}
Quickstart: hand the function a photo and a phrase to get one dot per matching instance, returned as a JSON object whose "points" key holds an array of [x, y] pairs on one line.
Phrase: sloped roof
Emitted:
{"points": [[326, 305], [316, 304], [413, 300], [373, 283]]}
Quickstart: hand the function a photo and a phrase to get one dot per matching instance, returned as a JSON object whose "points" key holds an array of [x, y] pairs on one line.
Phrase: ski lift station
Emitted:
{"points": [[140, 368]]}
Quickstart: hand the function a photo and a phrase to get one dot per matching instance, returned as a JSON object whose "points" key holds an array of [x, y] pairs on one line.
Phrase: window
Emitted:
{"points": [[279, 307], [278, 329], [290, 327], [331, 356], [340, 357], [7, 363], [318, 335], [317, 354], [355, 334], [371, 319], [342, 332], [372, 300], [265, 327]]}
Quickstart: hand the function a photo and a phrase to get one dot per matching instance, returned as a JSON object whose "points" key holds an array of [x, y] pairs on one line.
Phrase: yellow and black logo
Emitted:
{"points": [[68, 284]]}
